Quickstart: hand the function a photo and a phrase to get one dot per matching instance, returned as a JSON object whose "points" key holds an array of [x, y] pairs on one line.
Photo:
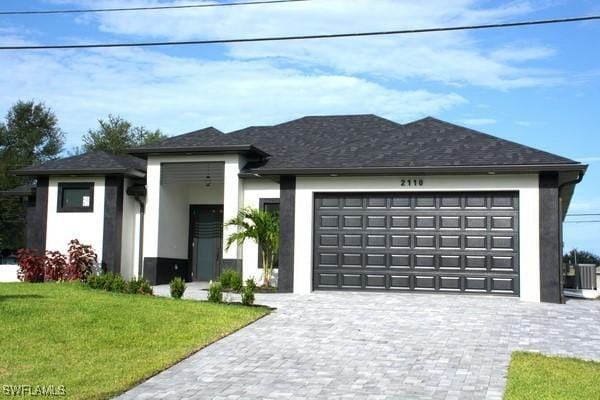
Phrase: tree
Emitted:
{"points": [[582, 257], [29, 135], [261, 227], [116, 135]]}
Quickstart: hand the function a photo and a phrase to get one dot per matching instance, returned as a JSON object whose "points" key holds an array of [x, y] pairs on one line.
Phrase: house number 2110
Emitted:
{"points": [[411, 182]]}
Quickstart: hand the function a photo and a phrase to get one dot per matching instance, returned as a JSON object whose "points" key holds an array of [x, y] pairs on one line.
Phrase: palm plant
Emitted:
{"points": [[261, 227]]}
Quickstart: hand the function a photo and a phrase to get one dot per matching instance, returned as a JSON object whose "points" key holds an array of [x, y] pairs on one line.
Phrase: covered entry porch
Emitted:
{"points": [[188, 200]]}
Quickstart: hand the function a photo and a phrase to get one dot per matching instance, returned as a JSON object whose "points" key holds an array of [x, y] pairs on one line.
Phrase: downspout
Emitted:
{"points": [[141, 243], [560, 229]]}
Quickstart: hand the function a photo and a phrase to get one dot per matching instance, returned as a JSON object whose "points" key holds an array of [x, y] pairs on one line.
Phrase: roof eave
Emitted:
{"points": [[438, 170], [79, 172], [228, 149]]}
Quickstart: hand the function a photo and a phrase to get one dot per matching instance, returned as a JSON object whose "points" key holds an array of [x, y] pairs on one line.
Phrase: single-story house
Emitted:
{"points": [[365, 204]]}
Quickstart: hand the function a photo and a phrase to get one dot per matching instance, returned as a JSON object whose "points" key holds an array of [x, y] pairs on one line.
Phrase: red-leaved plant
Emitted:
{"points": [[81, 260], [31, 265], [55, 267]]}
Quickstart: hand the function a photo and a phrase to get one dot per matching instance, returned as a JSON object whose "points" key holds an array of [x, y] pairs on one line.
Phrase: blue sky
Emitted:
{"points": [[539, 86]]}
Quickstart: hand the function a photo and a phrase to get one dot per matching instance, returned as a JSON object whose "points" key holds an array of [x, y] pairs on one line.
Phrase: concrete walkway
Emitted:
{"points": [[377, 346]]}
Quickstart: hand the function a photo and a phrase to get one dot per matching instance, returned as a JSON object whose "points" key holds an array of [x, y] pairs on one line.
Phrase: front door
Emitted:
{"points": [[205, 243]]}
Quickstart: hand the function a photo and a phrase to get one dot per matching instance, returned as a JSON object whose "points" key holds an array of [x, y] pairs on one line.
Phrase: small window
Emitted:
{"points": [[76, 197]]}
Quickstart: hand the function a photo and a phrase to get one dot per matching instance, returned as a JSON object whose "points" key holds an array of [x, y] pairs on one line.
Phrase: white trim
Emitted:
{"points": [[525, 184]]}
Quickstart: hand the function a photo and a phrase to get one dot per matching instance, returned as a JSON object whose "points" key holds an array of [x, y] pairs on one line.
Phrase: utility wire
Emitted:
{"points": [[304, 37], [583, 222], [584, 215], [96, 10]]}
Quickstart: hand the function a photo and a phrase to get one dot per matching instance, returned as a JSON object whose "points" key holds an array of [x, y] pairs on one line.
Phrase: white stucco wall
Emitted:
{"points": [[130, 234], [526, 185], [8, 273], [166, 224], [254, 190], [87, 227]]}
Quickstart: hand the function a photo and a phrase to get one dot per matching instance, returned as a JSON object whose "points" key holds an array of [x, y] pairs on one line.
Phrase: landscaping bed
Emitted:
{"points": [[98, 344], [539, 377]]}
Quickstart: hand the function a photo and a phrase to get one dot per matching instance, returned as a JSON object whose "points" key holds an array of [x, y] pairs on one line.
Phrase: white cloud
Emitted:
{"points": [[522, 53], [523, 123], [178, 94], [479, 121], [452, 58]]}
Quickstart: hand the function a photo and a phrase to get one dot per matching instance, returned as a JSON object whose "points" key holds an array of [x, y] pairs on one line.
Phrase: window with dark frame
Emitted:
{"points": [[75, 197], [270, 205]]}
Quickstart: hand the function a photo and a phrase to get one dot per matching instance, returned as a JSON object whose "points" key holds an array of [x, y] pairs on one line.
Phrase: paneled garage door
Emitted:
{"points": [[444, 242]]}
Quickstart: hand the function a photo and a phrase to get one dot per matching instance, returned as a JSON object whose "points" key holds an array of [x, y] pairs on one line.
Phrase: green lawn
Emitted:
{"points": [[98, 344], [539, 377]]}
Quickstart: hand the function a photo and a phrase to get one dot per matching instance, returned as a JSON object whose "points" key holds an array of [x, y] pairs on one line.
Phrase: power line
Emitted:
{"points": [[584, 215], [96, 10], [583, 222], [304, 37]]}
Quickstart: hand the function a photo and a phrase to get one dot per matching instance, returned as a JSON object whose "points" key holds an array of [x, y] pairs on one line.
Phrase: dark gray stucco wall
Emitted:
{"points": [[37, 215], [161, 270], [550, 240], [287, 212], [113, 224]]}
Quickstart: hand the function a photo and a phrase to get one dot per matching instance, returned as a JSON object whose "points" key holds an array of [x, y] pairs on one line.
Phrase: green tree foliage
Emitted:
{"points": [[116, 135], [29, 135], [582, 257], [263, 228]]}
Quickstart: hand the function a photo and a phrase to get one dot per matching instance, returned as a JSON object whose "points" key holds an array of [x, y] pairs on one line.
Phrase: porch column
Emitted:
{"points": [[151, 216], [232, 198]]}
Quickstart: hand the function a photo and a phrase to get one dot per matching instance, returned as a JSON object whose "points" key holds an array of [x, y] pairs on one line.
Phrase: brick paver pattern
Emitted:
{"points": [[350, 345]]}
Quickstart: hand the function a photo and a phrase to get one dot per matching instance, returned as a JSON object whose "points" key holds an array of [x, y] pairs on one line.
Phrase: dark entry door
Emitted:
{"points": [[205, 246], [442, 242]]}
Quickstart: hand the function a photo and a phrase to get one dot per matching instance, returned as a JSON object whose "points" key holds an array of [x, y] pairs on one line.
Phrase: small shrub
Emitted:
{"points": [[251, 284], [118, 284], [230, 279], [106, 281], [236, 282], [93, 281], [225, 278], [247, 296], [55, 266], [215, 292], [177, 287], [31, 266], [133, 286], [145, 287], [82, 259]]}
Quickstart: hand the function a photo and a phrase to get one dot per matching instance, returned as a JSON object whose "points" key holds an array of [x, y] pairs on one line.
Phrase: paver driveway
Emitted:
{"points": [[378, 346]]}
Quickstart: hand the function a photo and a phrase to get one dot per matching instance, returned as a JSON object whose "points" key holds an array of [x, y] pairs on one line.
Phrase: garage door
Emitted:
{"points": [[442, 242]]}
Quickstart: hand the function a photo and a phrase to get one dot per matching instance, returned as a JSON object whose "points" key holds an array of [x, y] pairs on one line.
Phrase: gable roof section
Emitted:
{"points": [[92, 163], [208, 140]]}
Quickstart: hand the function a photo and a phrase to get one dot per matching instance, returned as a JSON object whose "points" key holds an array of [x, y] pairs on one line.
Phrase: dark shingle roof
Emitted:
{"points": [[96, 162], [190, 139], [368, 141], [327, 144]]}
